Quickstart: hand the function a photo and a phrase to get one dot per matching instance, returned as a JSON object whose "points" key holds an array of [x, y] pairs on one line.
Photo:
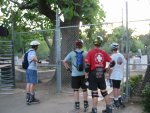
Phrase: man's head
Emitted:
{"points": [[114, 46], [98, 41], [34, 44], [79, 43]]}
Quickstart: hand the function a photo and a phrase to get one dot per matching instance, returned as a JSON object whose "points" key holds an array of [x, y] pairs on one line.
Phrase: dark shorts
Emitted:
{"points": [[116, 83], [31, 76], [95, 82], [78, 82]]}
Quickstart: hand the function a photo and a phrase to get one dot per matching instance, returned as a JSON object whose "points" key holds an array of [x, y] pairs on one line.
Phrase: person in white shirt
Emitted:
{"points": [[116, 74]]}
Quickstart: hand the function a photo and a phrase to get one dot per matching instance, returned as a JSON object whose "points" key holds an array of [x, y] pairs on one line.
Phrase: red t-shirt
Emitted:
{"points": [[97, 58]]}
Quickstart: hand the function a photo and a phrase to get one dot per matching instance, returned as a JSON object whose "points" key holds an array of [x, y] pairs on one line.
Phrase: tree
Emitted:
{"points": [[118, 36], [31, 12]]}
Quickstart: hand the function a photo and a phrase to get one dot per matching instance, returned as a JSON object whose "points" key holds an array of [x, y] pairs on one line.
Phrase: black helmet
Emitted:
{"points": [[98, 40]]}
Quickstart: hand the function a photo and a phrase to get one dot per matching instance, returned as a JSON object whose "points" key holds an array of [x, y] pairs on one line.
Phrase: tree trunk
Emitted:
{"points": [[69, 36], [146, 79]]}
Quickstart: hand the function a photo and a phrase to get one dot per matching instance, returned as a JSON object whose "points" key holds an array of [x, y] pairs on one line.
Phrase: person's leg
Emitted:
{"points": [[75, 86], [27, 92], [116, 91], [76, 98], [104, 93], [107, 101], [119, 94], [94, 101], [85, 98], [106, 97], [85, 92], [34, 81], [27, 86]]}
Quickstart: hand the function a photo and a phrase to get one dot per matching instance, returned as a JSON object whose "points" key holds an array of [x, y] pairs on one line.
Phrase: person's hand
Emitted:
{"points": [[39, 61], [86, 76], [69, 70]]}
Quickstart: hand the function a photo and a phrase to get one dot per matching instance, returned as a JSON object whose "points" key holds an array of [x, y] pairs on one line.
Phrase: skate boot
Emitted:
{"points": [[94, 110], [120, 102], [86, 105], [27, 97], [116, 103], [77, 105], [108, 109], [32, 99]]}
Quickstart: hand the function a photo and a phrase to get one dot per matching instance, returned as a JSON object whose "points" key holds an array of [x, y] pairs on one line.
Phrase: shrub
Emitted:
{"points": [[132, 83], [146, 98]]}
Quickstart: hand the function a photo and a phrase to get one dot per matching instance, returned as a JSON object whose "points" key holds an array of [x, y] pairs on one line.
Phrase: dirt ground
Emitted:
{"points": [[52, 102]]}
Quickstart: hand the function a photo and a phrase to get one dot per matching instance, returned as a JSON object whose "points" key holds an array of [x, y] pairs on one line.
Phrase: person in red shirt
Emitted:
{"points": [[96, 60]]}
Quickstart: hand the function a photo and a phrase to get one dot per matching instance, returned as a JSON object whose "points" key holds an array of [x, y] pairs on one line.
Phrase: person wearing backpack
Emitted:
{"points": [[76, 58], [96, 60], [31, 72]]}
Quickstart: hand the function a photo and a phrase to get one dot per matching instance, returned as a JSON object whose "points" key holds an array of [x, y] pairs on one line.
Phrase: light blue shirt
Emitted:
{"points": [[71, 57], [32, 64]]}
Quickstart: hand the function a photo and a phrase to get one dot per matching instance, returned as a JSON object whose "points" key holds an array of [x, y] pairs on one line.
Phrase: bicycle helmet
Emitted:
{"points": [[98, 40], [79, 43], [35, 43], [114, 46]]}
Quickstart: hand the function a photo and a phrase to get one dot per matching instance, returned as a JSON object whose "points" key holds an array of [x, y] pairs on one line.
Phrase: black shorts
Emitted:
{"points": [[116, 83], [96, 82], [78, 82]]}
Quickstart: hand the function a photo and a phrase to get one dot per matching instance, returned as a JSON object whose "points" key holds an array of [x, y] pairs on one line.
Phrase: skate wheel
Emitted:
{"points": [[28, 103]]}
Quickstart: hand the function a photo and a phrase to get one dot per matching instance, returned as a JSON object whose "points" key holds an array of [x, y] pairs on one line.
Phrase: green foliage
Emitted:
{"points": [[43, 51], [132, 83], [118, 34], [134, 80], [145, 39], [135, 45], [146, 98], [31, 18]]}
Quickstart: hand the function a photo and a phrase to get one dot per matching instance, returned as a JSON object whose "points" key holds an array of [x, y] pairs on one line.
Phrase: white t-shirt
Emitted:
{"points": [[118, 69]]}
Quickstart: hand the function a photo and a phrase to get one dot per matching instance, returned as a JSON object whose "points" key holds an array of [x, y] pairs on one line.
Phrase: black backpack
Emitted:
{"points": [[79, 61], [25, 62]]}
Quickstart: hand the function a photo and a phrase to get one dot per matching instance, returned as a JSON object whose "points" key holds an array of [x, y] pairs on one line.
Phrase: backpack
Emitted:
{"points": [[25, 62], [79, 61]]}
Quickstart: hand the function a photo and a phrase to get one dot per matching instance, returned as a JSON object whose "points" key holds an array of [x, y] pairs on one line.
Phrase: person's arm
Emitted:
{"points": [[66, 64], [34, 58], [87, 70]]}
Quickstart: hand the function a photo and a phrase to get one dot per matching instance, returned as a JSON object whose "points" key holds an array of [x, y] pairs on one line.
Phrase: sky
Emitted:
{"points": [[137, 10]]}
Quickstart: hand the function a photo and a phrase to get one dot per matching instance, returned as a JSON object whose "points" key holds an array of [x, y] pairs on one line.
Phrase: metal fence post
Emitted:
{"points": [[13, 60], [58, 54], [127, 53]]}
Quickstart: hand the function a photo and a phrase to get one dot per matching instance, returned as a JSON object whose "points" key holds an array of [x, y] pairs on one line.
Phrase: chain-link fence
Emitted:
{"points": [[57, 43], [45, 53]]}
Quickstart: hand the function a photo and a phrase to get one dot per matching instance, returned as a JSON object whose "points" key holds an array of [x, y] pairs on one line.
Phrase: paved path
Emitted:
{"points": [[50, 103]]}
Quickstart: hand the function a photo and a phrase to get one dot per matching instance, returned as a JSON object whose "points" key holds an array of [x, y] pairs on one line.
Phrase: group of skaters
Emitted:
{"points": [[95, 67], [93, 70]]}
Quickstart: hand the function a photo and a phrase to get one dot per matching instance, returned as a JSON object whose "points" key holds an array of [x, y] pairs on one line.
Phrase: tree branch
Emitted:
{"points": [[45, 9], [25, 5]]}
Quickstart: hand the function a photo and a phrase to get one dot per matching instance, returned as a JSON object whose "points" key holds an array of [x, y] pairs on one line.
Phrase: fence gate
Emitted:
{"points": [[7, 78]]}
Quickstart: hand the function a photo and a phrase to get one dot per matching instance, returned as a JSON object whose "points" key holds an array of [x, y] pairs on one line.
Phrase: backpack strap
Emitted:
{"points": [[78, 52], [27, 53]]}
